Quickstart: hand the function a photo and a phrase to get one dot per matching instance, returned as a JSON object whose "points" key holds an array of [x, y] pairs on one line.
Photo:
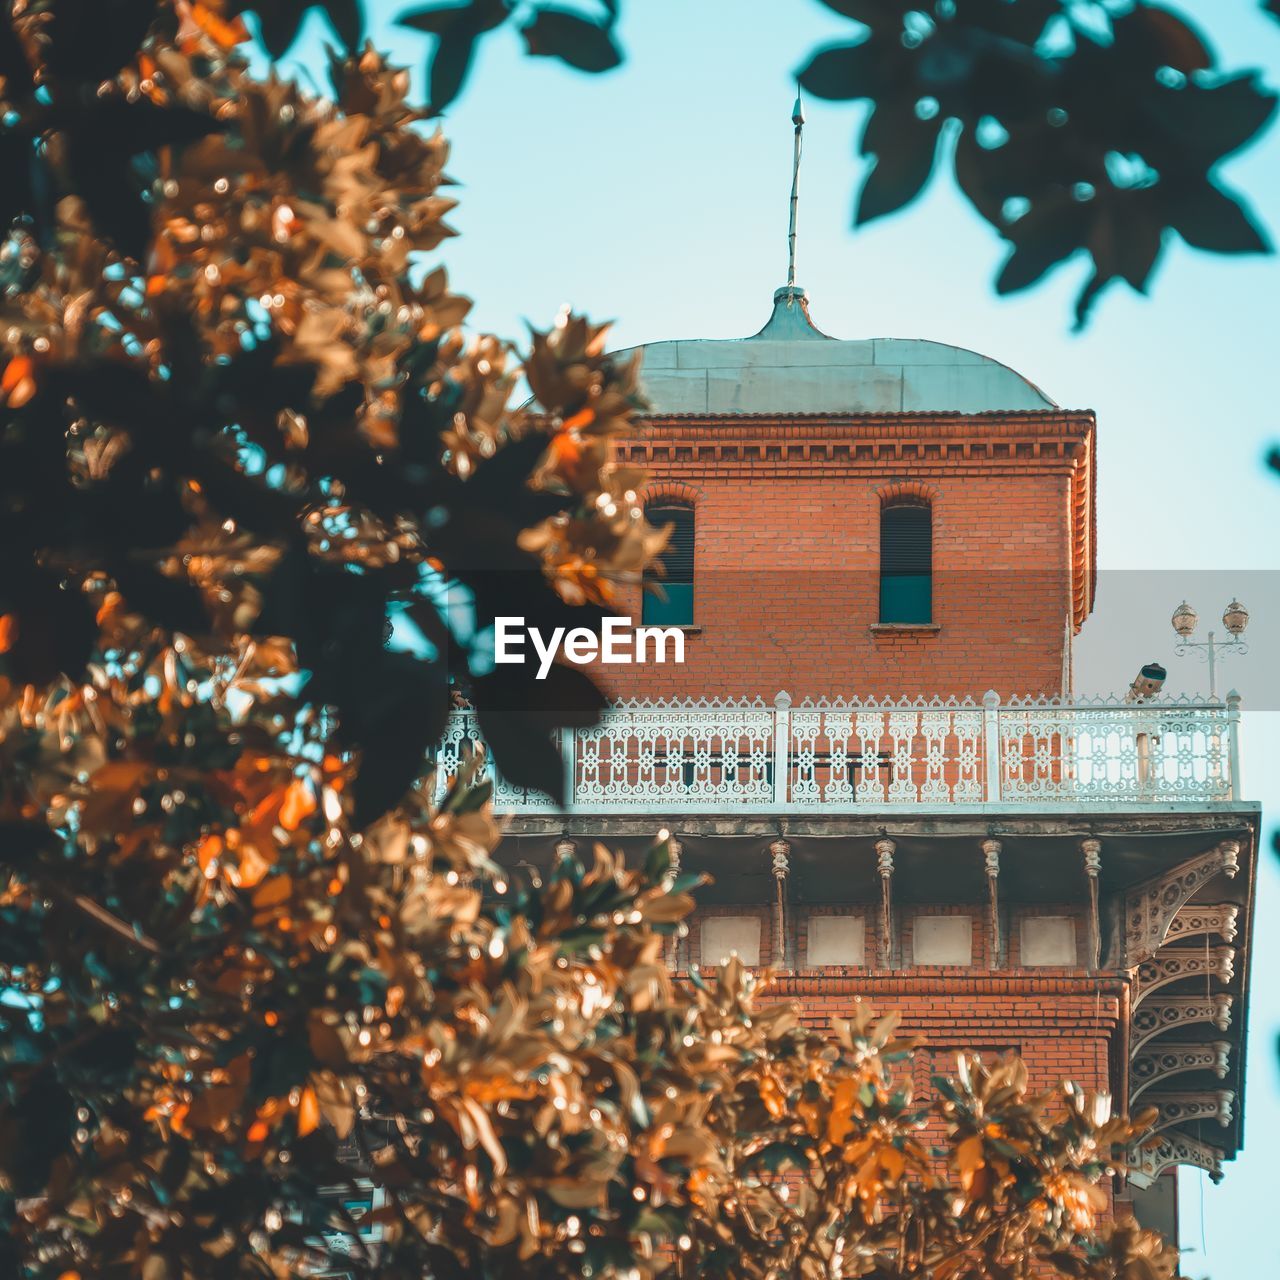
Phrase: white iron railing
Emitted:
{"points": [[751, 756]]}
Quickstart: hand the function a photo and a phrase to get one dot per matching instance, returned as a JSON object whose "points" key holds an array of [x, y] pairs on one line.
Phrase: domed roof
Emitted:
{"points": [[792, 367]]}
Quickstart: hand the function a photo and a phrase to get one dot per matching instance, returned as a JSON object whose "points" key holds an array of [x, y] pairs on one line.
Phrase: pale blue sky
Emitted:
{"points": [[657, 196]]}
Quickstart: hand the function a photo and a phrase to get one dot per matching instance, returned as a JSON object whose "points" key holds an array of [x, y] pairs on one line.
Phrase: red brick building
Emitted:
{"points": [[882, 551]]}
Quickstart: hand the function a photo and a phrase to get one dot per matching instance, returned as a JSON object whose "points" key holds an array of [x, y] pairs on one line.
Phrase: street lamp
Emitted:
{"points": [[1235, 617]]}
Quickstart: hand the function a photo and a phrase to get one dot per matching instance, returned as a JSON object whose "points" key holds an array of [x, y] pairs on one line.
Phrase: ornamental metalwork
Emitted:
{"points": [[1057, 749], [703, 754], [1155, 1064], [1147, 1164], [1173, 964], [1176, 1013], [718, 755], [1151, 907]]}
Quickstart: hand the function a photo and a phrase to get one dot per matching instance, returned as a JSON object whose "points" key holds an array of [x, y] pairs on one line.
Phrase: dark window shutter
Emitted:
{"points": [[906, 563], [677, 558], [677, 561]]}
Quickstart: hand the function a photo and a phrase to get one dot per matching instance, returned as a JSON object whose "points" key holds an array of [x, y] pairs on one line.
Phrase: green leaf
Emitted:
{"points": [[1052, 231], [474, 18], [904, 147], [558, 33], [845, 71], [1207, 217], [870, 13]]}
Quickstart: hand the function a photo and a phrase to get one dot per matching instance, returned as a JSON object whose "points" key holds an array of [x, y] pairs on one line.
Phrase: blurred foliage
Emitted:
{"points": [[1077, 127], [1089, 127], [263, 421], [248, 951]]}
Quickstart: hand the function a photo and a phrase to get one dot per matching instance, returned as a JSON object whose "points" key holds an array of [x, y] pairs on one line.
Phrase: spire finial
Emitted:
{"points": [[797, 119]]}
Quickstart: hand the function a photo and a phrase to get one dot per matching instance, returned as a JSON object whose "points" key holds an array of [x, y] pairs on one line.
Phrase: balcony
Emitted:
{"points": [[749, 756]]}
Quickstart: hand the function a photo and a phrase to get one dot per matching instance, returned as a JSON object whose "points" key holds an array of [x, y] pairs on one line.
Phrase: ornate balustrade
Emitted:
{"points": [[835, 756]]}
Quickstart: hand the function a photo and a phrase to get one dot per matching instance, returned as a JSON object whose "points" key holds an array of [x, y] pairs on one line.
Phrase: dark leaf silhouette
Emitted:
{"points": [[1207, 217], [558, 33], [90, 40], [846, 71], [903, 145], [1138, 102], [512, 714], [456, 27], [281, 20]]}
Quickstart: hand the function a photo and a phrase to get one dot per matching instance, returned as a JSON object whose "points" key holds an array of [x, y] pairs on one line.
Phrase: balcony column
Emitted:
{"points": [[675, 849], [1092, 850], [991, 856], [780, 850], [884, 863]]}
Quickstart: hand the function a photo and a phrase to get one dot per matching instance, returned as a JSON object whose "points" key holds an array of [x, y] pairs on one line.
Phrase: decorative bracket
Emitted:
{"points": [[884, 864], [991, 858], [1175, 963], [1157, 1064], [1150, 909], [780, 851], [675, 850], [1183, 1108], [1172, 1149], [1092, 850], [1177, 1012], [1195, 919]]}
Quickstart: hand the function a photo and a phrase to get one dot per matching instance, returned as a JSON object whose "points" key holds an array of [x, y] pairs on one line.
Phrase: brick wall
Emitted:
{"points": [[786, 592]]}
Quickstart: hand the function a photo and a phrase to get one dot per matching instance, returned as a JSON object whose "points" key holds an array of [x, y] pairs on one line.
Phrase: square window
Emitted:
{"points": [[837, 940], [943, 940], [1048, 940], [723, 935]]}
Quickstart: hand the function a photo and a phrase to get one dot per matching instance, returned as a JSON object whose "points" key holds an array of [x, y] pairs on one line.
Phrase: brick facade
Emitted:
{"points": [[787, 527]]}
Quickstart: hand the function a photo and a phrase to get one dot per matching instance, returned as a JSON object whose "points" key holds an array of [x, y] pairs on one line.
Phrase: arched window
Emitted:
{"points": [[677, 562], [906, 561]]}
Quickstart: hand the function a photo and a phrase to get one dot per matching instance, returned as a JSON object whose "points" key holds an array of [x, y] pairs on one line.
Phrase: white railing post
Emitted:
{"points": [[1233, 742], [991, 743], [781, 745], [569, 754]]}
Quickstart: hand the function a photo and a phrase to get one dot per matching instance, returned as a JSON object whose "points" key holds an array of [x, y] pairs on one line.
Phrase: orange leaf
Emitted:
{"points": [[207, 850], [18, 383], [272, 892], [308, 1112], [298, 804], [970, 1157], [227, 34], [253, 866]]}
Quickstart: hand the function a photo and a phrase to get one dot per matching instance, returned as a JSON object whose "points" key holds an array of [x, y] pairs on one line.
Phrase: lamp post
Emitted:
{"points": [[1235, 617]]}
